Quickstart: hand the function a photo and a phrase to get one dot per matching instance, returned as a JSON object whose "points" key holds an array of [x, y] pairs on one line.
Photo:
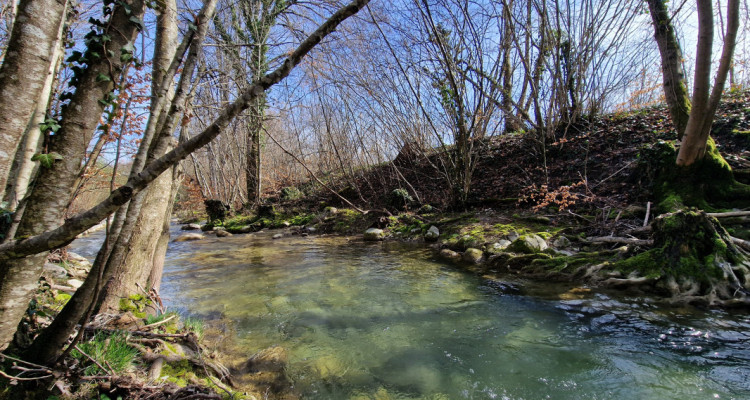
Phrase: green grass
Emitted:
{"points": [[109, 350], [194, 325]]}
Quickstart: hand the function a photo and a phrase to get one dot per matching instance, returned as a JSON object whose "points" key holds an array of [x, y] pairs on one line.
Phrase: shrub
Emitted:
{"points": [[399, 199], [291, 193]]}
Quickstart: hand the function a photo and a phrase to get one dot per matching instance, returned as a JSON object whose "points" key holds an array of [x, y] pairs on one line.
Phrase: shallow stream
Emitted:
{"points": [[387, 321]]}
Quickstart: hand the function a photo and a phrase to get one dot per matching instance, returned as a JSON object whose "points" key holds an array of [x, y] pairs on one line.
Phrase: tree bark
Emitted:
{"points": [[703, 110], [673, 76], [51, 193], [24, 70]]}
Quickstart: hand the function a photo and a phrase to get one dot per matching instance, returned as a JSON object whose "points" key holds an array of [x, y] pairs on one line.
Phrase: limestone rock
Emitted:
{"points": [[374, 234], [55, 271], [432, 234], [187, 237], [449, 254], [75, 283], [498, 247], [191, 227], [561, 242], [528, 244], [222, 233], [472, 255]]}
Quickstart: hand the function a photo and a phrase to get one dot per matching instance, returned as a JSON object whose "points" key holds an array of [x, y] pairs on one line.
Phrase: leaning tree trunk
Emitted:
{"points": [[22, 75], [673, 76], [51, 193]]}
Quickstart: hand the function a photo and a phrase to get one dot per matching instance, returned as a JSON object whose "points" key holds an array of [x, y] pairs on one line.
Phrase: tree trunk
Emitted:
{"points": [[52, 191], [704, 107], [673, 76], [23, 167], [27, 59]]}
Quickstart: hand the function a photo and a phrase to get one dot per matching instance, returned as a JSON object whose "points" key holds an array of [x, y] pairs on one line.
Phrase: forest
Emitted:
{"points": [[573, 154]]}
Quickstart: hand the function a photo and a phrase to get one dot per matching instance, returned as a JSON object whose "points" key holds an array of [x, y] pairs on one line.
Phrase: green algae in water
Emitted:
{"points": [[382, 321]]}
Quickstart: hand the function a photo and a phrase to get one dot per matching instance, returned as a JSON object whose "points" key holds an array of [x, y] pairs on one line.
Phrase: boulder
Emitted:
{"points": [[528, 244], [498, 247], [55, 271], [473, 256], [432, 234], [278, 236], [187, 237], [561, 242], [374, 234], [449, 254], [191, 227], [223, 233]]}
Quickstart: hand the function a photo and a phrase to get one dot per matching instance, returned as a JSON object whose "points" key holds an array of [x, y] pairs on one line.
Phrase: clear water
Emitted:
{"points": [[384, 321]]}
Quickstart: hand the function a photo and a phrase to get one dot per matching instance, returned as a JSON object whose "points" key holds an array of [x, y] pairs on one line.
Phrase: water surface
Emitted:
{"points": [[385, 321]]}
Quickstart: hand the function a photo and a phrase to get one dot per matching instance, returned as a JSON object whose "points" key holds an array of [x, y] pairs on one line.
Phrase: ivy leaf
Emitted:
{"points": [[103, 78], [47, 159]]}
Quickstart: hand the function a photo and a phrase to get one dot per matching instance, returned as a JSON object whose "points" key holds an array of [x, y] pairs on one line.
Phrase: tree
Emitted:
{"points": [[90, 88]]}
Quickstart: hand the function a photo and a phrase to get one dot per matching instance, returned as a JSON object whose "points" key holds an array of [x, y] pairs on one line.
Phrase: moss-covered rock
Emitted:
{"points": [[528, 244]]}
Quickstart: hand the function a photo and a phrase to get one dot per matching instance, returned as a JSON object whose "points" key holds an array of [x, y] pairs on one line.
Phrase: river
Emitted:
{"points": [[388, 321]]}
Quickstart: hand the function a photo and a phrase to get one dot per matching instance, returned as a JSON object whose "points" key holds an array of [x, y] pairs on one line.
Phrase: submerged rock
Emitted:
{"points": [[528, 244], [473, 256], [432, 234], [272, 359], [374, 234], [222, 233], [187, 237], [191, 227]]}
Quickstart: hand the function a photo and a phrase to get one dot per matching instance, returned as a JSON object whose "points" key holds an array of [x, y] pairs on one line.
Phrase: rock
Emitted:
{"points": [[528, 244], [561, 242], [449, 254], [539, 219], [310, 229], [415, 231], [187, 237], [432, 234], [207, 227], [75, 283], [498, 247], [512, 236], [76, 257], [278, 236], [55, 271], [472, 255], [222, 233], [272, 359], [246, 229], [286, 224], [191, 227], [374, 234]]}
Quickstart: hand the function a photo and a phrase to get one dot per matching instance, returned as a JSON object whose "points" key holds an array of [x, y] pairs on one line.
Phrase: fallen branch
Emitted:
{"points": [[745, 244], [730, 214], [628, 281], [164, 321], [621, 240]]}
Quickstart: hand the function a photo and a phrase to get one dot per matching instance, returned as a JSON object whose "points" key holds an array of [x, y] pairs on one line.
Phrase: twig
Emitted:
{"points": [[101, 367], [21, 361], [729, 214], [164, 321], [648, 213], [155, 300], [16, 378]]}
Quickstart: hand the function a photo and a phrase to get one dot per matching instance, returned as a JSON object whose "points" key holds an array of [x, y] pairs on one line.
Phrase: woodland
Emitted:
{"points": [[621, 126]]}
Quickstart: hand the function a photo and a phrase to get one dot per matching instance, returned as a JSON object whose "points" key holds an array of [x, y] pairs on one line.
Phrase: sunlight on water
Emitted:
{"points": [[382, 321]]}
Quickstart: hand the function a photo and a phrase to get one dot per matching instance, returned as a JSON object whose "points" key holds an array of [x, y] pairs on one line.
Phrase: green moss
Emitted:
{"points": [[136, 304], [62, 299], [648, 264], [180, 373]]}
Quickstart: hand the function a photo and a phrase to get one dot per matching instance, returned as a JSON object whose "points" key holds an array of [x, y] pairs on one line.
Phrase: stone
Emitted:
{"points": [[374, 234], [187, 237], [286, 224], [528, 244], [278, 236], [561, 242], [55, 271], [207, 227], [246, 229], [272, 359], [222, 233], [497, 247], [432, 234], [310, 229], [76, 257], [472, 255], [191, 227], [75, 283], [512, 236], [449, 254]]}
